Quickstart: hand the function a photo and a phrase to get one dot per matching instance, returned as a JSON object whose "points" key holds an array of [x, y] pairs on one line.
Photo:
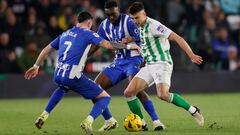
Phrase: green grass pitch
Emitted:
{"points": [[221, 112]]}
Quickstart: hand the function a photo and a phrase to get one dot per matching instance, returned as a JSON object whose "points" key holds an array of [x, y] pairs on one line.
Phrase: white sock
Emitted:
{"points": [[45, 112], [44, 115], [156, 122], [90, 119], [192, 109], [111, 119], [143, 122]]}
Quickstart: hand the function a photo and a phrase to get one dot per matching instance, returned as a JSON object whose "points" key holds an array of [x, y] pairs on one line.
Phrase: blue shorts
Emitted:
{"points": [[83, 86], [121, 69]]}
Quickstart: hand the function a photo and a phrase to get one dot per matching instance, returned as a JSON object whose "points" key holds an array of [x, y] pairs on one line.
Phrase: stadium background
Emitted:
{"points": [[211, 27]]}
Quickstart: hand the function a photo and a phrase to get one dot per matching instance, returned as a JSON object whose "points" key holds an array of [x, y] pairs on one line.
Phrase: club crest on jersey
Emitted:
{"points": [[161, 29], [136, 31]]}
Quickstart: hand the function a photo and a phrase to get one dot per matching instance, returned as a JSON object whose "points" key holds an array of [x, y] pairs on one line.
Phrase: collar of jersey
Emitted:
{"points": [[147, 20]]}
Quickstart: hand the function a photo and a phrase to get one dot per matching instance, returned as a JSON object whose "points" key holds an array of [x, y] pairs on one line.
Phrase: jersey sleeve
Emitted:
{"points": [[94, 38], [159, 30], [55, 42], [101, 32], [133, 29]]}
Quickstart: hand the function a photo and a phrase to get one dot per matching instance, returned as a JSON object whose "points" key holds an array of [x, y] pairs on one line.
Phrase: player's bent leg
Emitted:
{"points": [[163, 91], [110, 122], [164, 94], [102, 101], [56, 97], [136, 85]]}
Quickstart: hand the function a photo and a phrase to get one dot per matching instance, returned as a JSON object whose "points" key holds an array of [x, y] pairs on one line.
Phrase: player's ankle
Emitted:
{"points": [[110, 119], [90, 119], [156, 122], [192, 109], [44, 115]]}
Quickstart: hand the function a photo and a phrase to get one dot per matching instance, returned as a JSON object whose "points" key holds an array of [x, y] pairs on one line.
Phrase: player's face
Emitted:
{"points": [[139, 18], [89, 23], [112, 14]]}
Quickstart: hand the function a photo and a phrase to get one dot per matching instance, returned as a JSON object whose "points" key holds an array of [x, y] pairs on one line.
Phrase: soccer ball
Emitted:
{"points": [[132, 123]]}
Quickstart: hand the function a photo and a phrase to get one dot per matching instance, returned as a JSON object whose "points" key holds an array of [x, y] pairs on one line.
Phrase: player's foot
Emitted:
{"points": [[198, 117], [109, 124], [158, 126], [39, 122], [41, 119], [87, 127], [144, 127]]}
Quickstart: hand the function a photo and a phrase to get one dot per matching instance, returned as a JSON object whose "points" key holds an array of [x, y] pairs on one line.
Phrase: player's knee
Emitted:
{"points": [[103, 94], [127, 93], [164, 96]]}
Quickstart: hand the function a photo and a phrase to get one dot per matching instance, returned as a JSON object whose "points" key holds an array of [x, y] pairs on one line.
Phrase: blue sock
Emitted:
{"points": [[100, 106], [148, 106], [107, 114], [55, 98]]}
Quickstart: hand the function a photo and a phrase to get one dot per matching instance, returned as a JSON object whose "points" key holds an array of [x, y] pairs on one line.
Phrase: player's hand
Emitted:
{"points": [[127, 40], [196, 59], [31, 73]]}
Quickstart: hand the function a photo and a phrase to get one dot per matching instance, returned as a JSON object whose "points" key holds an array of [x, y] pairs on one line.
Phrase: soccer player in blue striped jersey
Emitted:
{"points": [[118, 27], [73, 46]]}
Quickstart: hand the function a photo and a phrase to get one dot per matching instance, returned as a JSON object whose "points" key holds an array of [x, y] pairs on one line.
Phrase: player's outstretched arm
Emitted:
{"points": [[33, 71], [106, 44], [184, 45], [114, 45]]}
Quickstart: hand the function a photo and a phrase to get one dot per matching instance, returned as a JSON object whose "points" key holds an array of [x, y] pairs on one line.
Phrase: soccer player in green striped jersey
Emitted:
{"points": [[159, 65]]}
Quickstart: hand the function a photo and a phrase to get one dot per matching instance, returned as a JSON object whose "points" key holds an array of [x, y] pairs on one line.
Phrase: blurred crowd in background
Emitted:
{"points": [[211, 27]]}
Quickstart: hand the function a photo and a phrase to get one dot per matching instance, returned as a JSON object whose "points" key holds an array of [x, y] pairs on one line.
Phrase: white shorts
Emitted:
{"points": [[157, 73]]}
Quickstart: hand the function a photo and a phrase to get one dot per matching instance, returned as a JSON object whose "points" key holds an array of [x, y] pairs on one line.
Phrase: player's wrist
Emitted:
{"points": [[36, 66]]}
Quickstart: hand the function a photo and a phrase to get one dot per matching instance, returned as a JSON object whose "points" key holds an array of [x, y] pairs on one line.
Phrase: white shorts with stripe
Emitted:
{"points": [[157, 73]]}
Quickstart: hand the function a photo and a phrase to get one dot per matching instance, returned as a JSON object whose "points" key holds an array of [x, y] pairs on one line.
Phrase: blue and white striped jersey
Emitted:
{"points": [[73, 46], [116, 32]]}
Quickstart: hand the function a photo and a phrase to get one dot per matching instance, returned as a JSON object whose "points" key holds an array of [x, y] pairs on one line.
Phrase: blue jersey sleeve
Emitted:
{"points": [[101, 32], [94, 38], [55, 42], [133, 30]]}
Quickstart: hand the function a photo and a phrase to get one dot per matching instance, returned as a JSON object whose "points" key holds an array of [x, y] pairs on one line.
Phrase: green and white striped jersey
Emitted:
{"points": [[155, 43]]}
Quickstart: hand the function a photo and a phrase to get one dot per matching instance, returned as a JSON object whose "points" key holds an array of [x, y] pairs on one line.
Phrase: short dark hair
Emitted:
{"points": [[136, 7], [110, 4], [83, 16]]}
